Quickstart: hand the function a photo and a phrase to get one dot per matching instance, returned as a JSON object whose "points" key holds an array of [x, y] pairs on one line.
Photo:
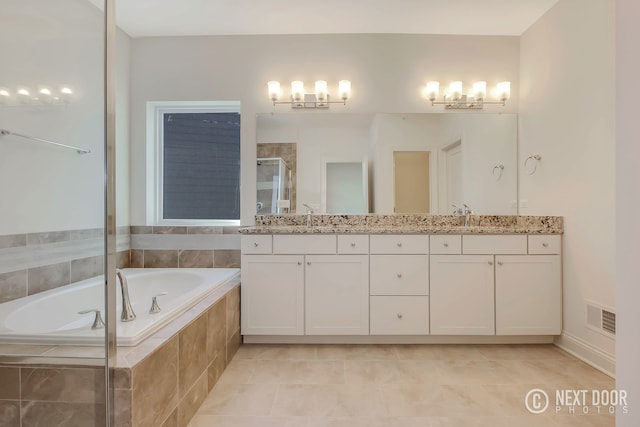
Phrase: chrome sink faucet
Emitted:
{"points": [[467, 215], [466, 212], [127, 312], [309, 215]]}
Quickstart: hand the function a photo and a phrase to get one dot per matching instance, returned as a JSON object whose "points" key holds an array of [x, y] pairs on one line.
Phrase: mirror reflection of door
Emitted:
{"points": [[411, 181], [453, 176], [345, 189]]}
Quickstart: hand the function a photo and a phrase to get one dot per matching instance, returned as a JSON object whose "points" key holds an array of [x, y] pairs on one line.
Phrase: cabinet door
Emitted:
{"points": [[272, 295], [337, 295], [462, 295], [528, 295]]}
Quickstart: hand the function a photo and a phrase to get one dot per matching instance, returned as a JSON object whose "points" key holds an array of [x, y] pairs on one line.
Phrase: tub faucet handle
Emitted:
{"points": [[155, 308], [98, 323]]}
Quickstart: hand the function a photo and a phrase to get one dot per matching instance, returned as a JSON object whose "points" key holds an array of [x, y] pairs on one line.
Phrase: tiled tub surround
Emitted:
{"points": [[185, 247], [401, 223], [160, 382], [36, 262]]}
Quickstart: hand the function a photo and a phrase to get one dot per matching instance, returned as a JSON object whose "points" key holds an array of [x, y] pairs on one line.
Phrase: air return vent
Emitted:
{"points": [[601, 319]]}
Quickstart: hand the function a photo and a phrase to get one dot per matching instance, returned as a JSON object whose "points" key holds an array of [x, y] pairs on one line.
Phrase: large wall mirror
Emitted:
{"points": [[386, 163]]}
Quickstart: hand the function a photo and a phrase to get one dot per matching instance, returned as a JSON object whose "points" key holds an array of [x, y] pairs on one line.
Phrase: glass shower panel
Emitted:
{"points": [[52, 213], [273, 186]]}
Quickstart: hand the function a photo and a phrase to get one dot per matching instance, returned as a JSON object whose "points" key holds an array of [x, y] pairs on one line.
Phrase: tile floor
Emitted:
{"points": [[397, 386]]}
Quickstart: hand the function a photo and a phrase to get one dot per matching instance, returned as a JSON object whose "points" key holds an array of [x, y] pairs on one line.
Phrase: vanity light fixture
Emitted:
{"points": [[300, 99], [456, 99]]}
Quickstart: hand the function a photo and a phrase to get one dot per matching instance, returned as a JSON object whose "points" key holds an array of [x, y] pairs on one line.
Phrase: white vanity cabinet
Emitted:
{"points": [[499, 284], [462, 295], [301, 285], [379, 287]]}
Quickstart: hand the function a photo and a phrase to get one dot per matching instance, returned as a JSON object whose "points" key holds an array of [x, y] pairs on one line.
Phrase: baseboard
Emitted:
{"points": [[602, 361], [397, 339]]}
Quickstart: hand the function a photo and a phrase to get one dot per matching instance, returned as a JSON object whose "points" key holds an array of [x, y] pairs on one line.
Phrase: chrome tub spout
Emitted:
{"points": [[127, 312]]}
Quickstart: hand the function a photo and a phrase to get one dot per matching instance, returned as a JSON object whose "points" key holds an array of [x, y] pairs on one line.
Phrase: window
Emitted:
{"points": [[197, 153]]}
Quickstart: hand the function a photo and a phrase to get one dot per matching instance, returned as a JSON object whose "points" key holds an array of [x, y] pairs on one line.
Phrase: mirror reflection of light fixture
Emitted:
{"points": [[5, 96], [41, 96], [454, 99], [301, 99]]}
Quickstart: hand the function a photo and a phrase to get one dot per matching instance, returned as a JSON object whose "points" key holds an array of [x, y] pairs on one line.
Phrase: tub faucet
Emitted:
{"points": [[309, 215], [127, 312]]}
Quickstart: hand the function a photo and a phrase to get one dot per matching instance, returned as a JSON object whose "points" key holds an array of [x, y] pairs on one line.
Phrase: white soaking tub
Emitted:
{"points": [[51, 317]]}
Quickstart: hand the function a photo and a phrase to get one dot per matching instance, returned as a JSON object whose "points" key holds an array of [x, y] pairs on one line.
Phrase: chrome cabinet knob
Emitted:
{"points": [[399, 315], [299, 262], [490, 263], [399, 245], [545, 245], [255, 244], [308, 262], [446, 245], [399, 275], [353, 244], [500, 262]]}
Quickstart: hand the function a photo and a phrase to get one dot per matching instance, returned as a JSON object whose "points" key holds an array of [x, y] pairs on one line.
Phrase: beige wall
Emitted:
{"points": [[627, 207], [567, 116]]}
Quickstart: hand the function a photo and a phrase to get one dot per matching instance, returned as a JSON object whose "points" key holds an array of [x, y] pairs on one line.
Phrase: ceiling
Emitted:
{"points": [[147, 18]]}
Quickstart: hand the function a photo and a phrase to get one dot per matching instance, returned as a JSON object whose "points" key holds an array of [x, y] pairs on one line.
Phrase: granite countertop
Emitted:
{"points": [[404, 224]]}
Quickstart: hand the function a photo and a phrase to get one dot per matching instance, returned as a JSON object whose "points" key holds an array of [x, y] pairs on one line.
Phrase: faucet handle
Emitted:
{"points": [[98, 323], [155, 308]]}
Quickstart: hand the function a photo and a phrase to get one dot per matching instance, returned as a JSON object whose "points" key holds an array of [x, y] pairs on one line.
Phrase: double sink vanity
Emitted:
{"points": [[401, 279]]}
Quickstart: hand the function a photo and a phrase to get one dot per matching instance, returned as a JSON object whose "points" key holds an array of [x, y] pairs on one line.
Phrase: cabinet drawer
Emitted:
{"points": [[399, 315], [513, 244], [445, 244], [296, 244], [399, 244], [256, 243], [545, 244], [399, 275], [353, 244]]}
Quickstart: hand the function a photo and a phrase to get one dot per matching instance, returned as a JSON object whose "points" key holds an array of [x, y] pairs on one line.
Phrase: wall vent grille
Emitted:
{"points": [[609, 322], [601, 319]]}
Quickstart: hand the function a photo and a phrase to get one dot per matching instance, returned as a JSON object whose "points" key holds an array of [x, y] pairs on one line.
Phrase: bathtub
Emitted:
{"points": [[51, 317]]}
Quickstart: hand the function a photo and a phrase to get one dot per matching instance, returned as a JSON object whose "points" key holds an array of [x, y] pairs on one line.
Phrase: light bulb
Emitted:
{"points": [[455, 90], [321, 90], [24, 95], [297, 90], [504, 91], [344, 89], [433, 88], [44, 95], [274, 90], [479, 90]]}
